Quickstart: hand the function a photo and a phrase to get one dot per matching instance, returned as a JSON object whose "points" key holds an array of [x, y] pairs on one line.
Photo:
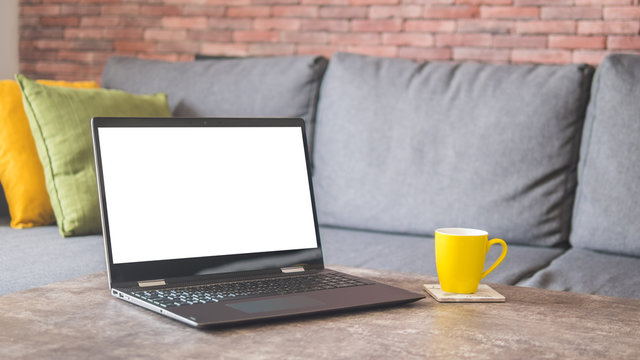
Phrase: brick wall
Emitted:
{"points": [[72, 39]]}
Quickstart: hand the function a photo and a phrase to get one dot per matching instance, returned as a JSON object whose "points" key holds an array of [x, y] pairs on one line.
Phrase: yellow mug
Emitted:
{"points": [[460, 256]]}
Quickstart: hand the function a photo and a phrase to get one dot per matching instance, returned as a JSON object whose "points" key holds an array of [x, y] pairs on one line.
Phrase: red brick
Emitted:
{"points": [[41, 10], [392, 25], [411, 39], [509, 12], [60, 21], [621, 12], [325, 2], [99, 21], [41, 33], [93, 9], [374, 2], [92, 44], [385, 51], [272, 2], [546, 27], [229, 2], [271, 49], [304, 37], [605, 2], [122, 33], [544, 56], [210, 11], [343, 12], [516, 41], [224, 49], [576, 42], [182, 22], [90, 57], [121, 9], [451, 12], [177, 47], [276, 24], [593, 57], [160, 10], [430, 25], [425, 54], [255, 36], [401, 11], [486, 26], [133, 46], [162, 57], [210, 36], [484, 55], [295, 11], [463, 40], [76, 33], [322, 50], [484, 2], [141, 21], [542, 2], [570, 12], [61, 67], [325, 24], [165, 34], [230, 24], [623, 42], [355, 39], [249, 11], [608, 27]]}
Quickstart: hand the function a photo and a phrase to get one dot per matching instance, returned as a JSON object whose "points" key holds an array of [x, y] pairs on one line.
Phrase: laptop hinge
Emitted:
{"points": [[148, 283], [292, 269]]}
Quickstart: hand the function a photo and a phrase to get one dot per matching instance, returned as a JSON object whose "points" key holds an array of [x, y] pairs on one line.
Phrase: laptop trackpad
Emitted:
{"points": [[283, 303]]}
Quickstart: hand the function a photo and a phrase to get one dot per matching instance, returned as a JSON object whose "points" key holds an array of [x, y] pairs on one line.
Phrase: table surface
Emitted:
{"points": [[80, 319]]}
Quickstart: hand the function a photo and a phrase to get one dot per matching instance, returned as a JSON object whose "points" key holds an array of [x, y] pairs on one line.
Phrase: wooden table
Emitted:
{"points": [[78, 319]]}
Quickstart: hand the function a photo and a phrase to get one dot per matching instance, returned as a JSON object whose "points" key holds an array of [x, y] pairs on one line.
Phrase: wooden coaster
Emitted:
{"points": [[484, 294]]}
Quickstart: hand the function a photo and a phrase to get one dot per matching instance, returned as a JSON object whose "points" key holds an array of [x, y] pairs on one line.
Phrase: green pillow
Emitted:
{"points": [[60, 121]]}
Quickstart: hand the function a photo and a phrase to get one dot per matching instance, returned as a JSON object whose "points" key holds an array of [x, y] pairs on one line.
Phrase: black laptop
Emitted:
{"points": [[212, 221]]}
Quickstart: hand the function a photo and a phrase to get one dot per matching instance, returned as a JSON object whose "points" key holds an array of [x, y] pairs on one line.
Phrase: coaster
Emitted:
{"points": [[484, 294]]}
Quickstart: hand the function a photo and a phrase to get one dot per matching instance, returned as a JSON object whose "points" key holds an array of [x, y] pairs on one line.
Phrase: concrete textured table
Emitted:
{"points": [[78, 319]]}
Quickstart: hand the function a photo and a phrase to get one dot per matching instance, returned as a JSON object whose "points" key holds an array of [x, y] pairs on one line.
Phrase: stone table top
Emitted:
{"points": [[79, 319]]}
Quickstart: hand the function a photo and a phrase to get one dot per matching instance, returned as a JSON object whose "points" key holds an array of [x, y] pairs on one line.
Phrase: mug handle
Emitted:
{"points": [[500, 258]]}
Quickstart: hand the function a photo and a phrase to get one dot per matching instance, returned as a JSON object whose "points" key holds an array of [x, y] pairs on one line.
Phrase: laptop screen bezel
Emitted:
{"points": [[128, 274]]}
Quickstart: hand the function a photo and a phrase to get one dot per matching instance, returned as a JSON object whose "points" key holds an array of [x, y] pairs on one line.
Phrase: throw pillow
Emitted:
{"points": [[60, 120], [21, 172]]}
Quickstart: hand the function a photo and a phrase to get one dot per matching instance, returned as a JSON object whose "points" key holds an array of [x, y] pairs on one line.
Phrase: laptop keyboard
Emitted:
{"points": [[203, 294]]}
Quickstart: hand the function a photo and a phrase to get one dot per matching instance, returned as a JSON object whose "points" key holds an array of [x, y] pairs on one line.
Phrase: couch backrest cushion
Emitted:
{"points": [[607, 210], [284, 86], [405, 147]]}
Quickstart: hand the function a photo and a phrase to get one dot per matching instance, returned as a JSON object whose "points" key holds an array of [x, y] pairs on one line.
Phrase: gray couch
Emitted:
{"points": [[546, 157]]}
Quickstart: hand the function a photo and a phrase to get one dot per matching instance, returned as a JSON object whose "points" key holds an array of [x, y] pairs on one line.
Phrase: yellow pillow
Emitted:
{"points": [[21, 172]]}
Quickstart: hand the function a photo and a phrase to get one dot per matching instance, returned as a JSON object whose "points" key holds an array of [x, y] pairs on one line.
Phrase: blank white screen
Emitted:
{"points": [[176, 193]]}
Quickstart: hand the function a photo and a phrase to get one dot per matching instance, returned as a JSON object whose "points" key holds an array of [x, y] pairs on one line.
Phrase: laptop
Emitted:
{"points": [[212, 221]]}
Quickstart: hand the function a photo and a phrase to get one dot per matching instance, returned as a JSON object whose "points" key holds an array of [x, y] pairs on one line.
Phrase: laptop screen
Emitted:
{"points": [[187, 192]]}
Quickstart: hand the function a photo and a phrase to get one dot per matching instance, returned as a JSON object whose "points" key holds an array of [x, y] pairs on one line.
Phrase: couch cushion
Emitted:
{"points": [[284, 86], [60, 120], [21, 172], [416, 254], [407, 147], [606, 214], [39, 256], [590, 272]]}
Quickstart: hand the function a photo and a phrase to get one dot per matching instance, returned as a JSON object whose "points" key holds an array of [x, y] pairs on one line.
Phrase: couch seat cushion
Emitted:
{"points": [[606, 214], [416, 254], [404, 147], [283, 86], [38, 256], [592, 272]]}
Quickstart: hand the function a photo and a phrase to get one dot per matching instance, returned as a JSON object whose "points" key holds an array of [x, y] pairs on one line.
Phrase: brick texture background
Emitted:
{"points": [[72, 39]]}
